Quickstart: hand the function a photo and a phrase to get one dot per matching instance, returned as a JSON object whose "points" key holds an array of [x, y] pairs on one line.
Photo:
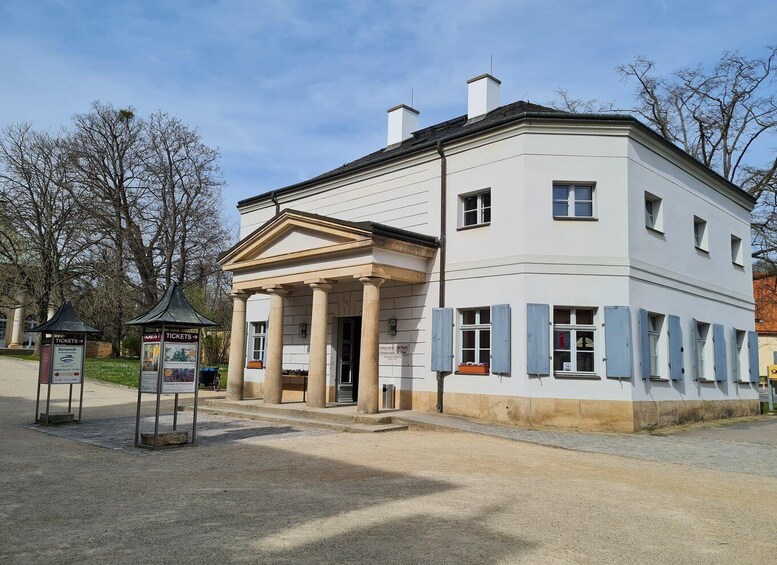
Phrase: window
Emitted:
{"points": [[574, 340], [476, 209], [655, 326], [702, 350], [736, 251], [475, 329], [741, 365], [654, 216], [573, 200], [258, 341], [700, 233]]}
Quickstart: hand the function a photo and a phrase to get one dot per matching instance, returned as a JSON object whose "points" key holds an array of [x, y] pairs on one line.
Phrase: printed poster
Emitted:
{"points": [[149, 362], [67, 360], [179, 373], [44, 369]]}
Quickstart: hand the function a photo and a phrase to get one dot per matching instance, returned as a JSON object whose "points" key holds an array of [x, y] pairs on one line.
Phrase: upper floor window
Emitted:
{"points": [[654, 216], [574, 340], [573, 200], [737, 254], [475, 209], [700, 234], [475, 333]]}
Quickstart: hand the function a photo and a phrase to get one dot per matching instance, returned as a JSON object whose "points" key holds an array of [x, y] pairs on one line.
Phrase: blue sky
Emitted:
{"points": [[289, 89]]}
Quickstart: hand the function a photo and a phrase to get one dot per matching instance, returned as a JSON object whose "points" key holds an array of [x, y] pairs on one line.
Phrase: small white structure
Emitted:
{"points": [[551, 268]]}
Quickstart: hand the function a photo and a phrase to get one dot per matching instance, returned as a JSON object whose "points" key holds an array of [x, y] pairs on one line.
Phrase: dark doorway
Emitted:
{"points": [[348, 343]]}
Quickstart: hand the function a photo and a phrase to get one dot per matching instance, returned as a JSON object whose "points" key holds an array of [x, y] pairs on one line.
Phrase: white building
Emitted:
{"points": [[598, 273]]}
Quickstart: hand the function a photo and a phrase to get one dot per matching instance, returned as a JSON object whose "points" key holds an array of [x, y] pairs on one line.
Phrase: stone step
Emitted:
{"points": [[312, 414], [300, 422]]}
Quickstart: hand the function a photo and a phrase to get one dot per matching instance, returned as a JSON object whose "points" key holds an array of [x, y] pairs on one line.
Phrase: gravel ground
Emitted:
{"points": [[260, 495]]}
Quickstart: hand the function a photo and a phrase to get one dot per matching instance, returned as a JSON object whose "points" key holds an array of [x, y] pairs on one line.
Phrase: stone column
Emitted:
{"points": [[316, 395], [237, 346], [368, 359], [274, 367], [17, 331]]}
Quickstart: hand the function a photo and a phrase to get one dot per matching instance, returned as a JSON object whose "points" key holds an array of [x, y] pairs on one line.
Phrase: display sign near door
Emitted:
{"points": [[179, 373]]}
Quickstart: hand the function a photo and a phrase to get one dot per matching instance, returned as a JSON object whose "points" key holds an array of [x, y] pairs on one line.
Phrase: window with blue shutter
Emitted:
{"points": [[538, 339], [719, 348], [617, 341], [442, 340], [676, 369], [752, 346], [500, 337], [644, 343]]}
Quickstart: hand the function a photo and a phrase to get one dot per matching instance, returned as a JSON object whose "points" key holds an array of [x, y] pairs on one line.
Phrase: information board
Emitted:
{"points": [[44, 369], [67, 360], [149, 362], [179, 372]]}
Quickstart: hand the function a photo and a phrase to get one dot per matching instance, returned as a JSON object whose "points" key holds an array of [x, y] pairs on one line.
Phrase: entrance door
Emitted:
{"points": [[349, 332]]}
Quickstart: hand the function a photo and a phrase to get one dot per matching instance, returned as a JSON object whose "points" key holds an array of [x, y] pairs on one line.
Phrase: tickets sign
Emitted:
{"points": [[181, 352]]}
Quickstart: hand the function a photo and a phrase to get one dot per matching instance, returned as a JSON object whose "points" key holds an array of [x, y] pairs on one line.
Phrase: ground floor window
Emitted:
{"points": [[475, 333], [258, 341], [655, 327], [574, 340], [702, 350]]}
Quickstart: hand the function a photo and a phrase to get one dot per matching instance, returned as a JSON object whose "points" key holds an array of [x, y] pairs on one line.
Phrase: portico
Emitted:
{"points": [[297, 250]]}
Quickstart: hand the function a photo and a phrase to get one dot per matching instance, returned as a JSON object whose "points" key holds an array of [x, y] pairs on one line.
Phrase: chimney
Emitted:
{"points": [[402, 122], [482, 96]]}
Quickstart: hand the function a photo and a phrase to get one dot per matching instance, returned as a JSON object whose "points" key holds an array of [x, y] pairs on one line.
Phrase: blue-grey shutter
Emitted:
{"points": [[442, 340], [719, 348], [617, 341], [500, 339], [644, 343], [695, 349], [752, 350], [676, 369], [538, 339]]}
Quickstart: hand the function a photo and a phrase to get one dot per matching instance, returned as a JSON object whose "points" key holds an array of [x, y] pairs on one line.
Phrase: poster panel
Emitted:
{"points": [[179, 373], [149, 362], [67, 360], [44, 369]]}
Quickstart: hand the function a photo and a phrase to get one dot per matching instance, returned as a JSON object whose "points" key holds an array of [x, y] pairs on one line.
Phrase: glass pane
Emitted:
{"points": [[585, 362], [345, 374], [486, 199], [468, 317], [485, 316], [584, 210], [561, 315], [485, 356], [585, 341], [560, 192], [583, 193], [559, 359], [487, 215], [468, 356], [470, 203], [468, 339], [654, 365], [584, 316], [560, 209], [561, 340], [485, 339], [471, 218]]}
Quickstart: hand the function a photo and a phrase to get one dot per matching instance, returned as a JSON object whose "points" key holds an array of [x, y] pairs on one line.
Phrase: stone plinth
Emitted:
{"points": [[165, 439], [56, 419]]}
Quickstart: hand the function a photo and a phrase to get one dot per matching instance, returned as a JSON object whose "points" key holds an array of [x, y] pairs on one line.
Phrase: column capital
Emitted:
{"points": [[376, 281], [278, 289], [323, 284], [238, 294]]}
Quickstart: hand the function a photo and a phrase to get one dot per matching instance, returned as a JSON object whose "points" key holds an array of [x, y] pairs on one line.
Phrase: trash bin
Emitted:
{"points": [[388, 396]]}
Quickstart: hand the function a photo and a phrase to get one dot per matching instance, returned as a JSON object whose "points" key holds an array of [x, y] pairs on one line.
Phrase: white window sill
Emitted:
{"points": [[576, 218], [582, 376], [658, 379], [706, 380], [473, 226], [655, 231], [702, 250]]}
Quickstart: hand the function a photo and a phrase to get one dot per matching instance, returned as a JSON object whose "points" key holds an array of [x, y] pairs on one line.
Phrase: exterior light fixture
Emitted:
{"points": [[303, 329], [392, 326]]}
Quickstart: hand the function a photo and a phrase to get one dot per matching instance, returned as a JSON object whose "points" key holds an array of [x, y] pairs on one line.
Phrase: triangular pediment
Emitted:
{"points": [[290, 236]]}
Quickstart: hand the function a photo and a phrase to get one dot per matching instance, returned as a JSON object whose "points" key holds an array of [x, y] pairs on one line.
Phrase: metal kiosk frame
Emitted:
{"points": [[172, 312], [65, 325]]}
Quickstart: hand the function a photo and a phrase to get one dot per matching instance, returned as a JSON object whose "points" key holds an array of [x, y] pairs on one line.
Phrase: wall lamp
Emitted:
{"points": [[392, 326], [303, 329]]}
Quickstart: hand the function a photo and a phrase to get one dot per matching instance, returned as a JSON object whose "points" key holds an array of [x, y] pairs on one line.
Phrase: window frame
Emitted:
{"points": [[741, 357], [655, 220], [737, 251], [482, 211], [572, 201], [480, 328], [657, 348], [701, 241], [255, 335], [573, 327], [703, 351]]}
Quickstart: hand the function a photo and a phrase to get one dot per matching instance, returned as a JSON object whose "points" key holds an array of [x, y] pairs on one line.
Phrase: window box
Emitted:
{"points": [[255, 365], [473, 369]]}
